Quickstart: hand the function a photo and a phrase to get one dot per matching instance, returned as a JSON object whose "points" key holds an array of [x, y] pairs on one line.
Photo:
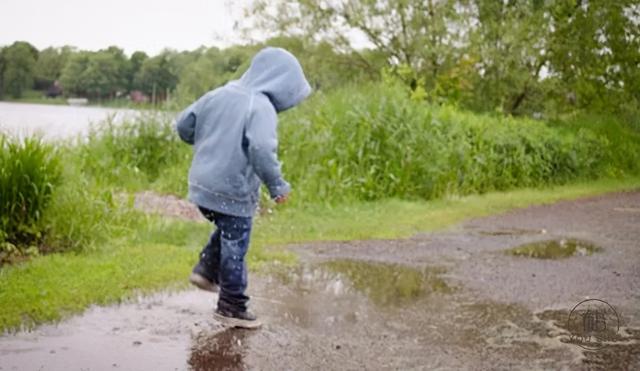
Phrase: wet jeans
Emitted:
{"points": [[223, 258]]}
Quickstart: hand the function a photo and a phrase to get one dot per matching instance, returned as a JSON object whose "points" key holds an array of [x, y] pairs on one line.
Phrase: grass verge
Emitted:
{"points": [[390, 219], [158, 253]]}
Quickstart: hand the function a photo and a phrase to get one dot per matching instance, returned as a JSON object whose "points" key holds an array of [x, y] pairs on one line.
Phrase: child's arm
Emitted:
{"points": [[261, 134], [186, 124]]}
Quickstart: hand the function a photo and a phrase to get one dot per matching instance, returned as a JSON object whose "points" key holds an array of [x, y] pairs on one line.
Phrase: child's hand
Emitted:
{"points": [[281, 199]]}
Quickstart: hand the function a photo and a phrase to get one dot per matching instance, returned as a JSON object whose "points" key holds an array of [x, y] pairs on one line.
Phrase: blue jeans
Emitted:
{"points": [[223, 258]]}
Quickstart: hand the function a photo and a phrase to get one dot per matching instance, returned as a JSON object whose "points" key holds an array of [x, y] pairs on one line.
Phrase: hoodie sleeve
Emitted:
{"points": [[262, 137], [186, 124]]}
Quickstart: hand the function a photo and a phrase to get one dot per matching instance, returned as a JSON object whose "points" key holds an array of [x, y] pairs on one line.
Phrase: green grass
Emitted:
{"points": [[36, 97], [399, 218], [157, 253]]}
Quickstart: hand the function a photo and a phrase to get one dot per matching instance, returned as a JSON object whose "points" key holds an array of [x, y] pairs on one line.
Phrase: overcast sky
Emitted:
{"points": [[148, 25]]}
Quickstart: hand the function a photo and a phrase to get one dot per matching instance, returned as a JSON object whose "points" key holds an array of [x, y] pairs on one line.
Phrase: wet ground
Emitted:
{"points": [[460, 299]]}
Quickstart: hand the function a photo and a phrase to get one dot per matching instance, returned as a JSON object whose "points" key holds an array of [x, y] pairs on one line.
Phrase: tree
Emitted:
{"points": [[72, 78], [517, 56], [212, 68], [101, 74], [158, 74], [201, 75], [51, 62], [19, 61], [328, 68], [595, 53], [135, 63], [423, 35], [106, 73], [509, 48]]}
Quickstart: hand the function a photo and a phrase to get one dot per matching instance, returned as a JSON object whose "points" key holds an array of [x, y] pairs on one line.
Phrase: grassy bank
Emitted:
{"points": [[36, 97], [157, 253]]}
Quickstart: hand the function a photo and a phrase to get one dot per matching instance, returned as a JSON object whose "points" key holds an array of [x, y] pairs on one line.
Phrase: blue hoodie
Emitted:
{"points": [[233, 133]]}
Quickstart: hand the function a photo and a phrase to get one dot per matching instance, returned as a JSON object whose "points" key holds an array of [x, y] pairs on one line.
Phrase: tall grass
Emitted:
{"points": [[373, 143], [83, 214], [135, 153], [29, 172], [47, 207]]}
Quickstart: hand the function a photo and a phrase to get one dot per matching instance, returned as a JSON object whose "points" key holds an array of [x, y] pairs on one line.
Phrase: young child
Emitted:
{"points": [[233, 133]]}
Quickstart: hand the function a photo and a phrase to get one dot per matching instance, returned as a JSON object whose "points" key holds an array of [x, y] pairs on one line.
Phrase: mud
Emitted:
{"points": [[555, 249], [166, 205], [451, 300]]}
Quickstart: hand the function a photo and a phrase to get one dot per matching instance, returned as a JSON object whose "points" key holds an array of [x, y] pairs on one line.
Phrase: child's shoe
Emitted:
{"points": [[237, 319], [199, 279]]}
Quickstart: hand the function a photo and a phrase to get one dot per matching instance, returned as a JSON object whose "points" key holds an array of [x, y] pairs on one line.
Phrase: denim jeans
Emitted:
{"points": [[223, 258]]}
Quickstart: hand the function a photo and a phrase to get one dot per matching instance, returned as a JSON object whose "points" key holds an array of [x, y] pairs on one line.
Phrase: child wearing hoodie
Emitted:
{"points": [[233, 133]]}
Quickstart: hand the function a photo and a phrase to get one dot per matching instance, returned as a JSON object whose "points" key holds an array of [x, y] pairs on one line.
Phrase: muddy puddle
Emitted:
{"points": [[555, 249], [390, 284]]}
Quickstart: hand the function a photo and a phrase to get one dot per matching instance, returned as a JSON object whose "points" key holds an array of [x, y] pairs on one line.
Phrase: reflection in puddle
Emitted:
{"points": [[222, 350], [555, 249], [385, 284], [389, 284]]}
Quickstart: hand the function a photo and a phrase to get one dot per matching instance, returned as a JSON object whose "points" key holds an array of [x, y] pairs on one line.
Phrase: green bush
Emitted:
{"points": [[46, 207], [29, 172], [373, 142]]}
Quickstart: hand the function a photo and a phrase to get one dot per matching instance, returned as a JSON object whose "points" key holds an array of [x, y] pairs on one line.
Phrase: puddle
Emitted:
{"points": [[555, 249], [384, 284], [390, 284], [512, 232]]}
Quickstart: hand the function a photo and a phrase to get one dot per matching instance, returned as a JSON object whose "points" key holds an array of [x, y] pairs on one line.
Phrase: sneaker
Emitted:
{"points": [[237, 319], [199, 280]]}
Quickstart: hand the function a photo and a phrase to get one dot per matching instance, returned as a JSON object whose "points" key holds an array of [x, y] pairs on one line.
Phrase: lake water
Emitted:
{"points": [[54, 122]]}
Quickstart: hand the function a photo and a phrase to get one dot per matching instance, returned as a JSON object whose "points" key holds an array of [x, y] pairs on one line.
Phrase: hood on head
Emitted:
{"points": [[277, 73]]}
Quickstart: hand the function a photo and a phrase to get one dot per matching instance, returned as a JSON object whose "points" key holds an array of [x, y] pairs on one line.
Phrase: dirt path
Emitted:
{"points": [[451, 300]]}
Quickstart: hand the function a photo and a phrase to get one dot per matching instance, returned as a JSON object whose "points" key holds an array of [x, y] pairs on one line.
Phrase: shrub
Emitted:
{"points": [[29, 172]]}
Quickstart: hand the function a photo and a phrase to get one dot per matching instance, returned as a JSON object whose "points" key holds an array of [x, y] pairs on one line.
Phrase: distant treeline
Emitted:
{"points": [[110, 73]]}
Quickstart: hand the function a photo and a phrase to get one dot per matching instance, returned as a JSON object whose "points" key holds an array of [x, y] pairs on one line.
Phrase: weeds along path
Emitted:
{"points": [[453, 300]]}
